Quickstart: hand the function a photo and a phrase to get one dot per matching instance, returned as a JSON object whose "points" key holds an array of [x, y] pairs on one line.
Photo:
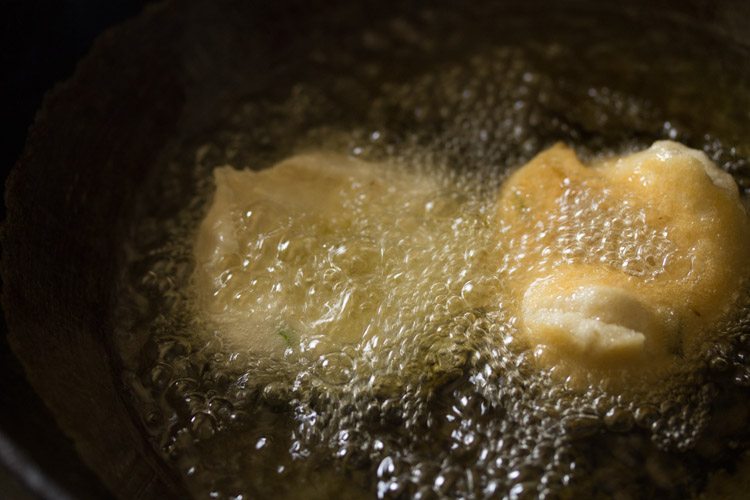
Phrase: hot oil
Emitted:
{"points": [[443, 399]]}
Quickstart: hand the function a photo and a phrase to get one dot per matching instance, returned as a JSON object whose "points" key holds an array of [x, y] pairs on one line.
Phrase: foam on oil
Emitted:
{"points": [[442, 399]]}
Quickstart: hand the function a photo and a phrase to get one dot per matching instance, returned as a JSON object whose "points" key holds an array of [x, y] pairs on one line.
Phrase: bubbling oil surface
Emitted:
{"points": [[446, 402]]}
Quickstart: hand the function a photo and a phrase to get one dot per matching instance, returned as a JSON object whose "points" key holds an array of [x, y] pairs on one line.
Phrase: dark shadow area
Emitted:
{"points": [[42, 42]]}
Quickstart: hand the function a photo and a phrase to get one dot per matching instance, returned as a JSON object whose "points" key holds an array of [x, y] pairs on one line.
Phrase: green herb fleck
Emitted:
{"points": [[287, 335]]}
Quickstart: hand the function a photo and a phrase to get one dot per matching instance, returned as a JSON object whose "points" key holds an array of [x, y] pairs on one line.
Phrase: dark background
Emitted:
{"points": [[40, 43]]}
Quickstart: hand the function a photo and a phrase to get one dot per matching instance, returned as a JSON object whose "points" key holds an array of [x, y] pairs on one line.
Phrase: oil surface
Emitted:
{"points": [[447, 401]]}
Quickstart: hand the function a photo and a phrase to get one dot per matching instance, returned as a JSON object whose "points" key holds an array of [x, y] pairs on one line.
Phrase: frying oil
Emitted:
{"points": [[441, 398]]}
